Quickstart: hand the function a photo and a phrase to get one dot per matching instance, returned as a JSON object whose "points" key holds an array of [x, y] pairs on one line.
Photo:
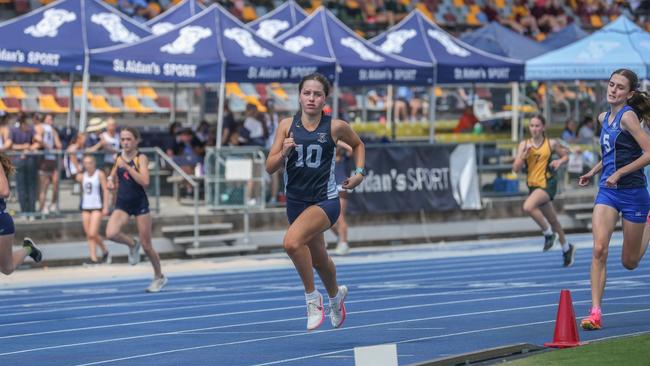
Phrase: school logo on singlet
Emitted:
{"points": [[52, 20], [113, 25], [394, 42], [188, 37], [245, 40], [322, 137], [270, 28]]}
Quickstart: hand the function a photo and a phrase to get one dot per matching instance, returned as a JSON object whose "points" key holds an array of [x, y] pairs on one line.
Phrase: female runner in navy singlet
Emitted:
{"points": [[10, 260], [131, 170], [622, 188], [305, 145]]}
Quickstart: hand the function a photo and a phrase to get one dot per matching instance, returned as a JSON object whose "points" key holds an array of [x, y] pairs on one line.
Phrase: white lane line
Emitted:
{"points": [[355, 327], [429, 268], [384, 267], [446, 336], [190, 331], [220, 295], [254, 311]]}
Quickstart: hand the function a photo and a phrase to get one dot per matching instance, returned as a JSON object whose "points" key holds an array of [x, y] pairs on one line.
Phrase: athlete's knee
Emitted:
{"points": [[112, 233], [630, 263], [7, 270], [291, 245], [528, 208], [600, 253]]}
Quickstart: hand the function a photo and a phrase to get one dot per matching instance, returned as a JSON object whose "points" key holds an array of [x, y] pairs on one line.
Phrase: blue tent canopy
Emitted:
{"points": [[280, 20], [360, 62], [499, 40], [564, 36], [619, 44], [174, 16], [212, 46], [56, 37], [417, 38]]}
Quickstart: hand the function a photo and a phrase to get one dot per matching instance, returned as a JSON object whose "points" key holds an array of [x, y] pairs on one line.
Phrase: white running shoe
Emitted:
{"points": [[315, 312], [337, 307], [134, 252], [157, 284], [342, 248]]}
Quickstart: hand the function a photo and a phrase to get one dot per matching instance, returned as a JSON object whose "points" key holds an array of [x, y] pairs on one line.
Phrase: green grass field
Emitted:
{"points": [[621, 351]]}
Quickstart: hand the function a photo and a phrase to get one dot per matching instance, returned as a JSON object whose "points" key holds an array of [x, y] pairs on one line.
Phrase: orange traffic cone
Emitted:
{"points": [[566, 330]]}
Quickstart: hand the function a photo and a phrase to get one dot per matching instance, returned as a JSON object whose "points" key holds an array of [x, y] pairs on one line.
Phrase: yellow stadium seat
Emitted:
{"points": [[78, 90], [5, 108], [472, 19], [111, 2], [314, 5], [132, 103], [280, 93], [233, 89], [99, 102], [147, 91], [500, 3], [423, 8], [352, 4], [596, 22], [47, 102], [438, 91], [458, 3], [474, 9], [248, 14], [15, 91]]}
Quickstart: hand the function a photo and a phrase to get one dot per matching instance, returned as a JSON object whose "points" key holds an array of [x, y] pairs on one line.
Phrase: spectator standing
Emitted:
{"points": [[47, 137], [22, 137]]}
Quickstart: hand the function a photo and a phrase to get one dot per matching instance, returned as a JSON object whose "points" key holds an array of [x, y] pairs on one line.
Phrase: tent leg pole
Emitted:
{"points": [[83, 108], [172, 113], [515, 112], [432, 114], [71, 111]]}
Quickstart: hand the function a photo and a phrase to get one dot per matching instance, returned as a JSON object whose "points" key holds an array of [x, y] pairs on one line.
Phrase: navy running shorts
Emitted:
{"points": [[632, 203], [332, 208], [138, 208], [6, 224]]}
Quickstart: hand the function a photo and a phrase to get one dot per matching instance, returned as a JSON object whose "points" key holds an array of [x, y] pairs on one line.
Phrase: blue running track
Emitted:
{"points": [[430, 307]]}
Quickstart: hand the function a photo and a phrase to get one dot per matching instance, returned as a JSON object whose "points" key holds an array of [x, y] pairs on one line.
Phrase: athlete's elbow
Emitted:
{"points": [[270, 169]]}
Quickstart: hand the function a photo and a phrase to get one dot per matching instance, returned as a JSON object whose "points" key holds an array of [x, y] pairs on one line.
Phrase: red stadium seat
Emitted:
{"points": [[163, 101]]}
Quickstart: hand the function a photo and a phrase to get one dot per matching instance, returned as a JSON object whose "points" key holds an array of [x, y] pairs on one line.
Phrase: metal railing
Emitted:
{"points": [[32, 158]]}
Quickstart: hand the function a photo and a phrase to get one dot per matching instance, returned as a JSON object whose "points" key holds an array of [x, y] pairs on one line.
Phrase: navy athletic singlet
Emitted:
{"points": [[309, 169]]}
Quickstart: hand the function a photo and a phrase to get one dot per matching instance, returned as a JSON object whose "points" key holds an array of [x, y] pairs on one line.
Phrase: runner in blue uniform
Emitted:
{"points": [[622, 187], [305, 145], [10, 260], [131, 170]]}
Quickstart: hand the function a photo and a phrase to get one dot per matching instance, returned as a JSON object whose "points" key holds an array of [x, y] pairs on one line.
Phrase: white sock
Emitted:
{"points": [[312, 296], [565, 247], [332, 299], [345, 243], [548, 231]]}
